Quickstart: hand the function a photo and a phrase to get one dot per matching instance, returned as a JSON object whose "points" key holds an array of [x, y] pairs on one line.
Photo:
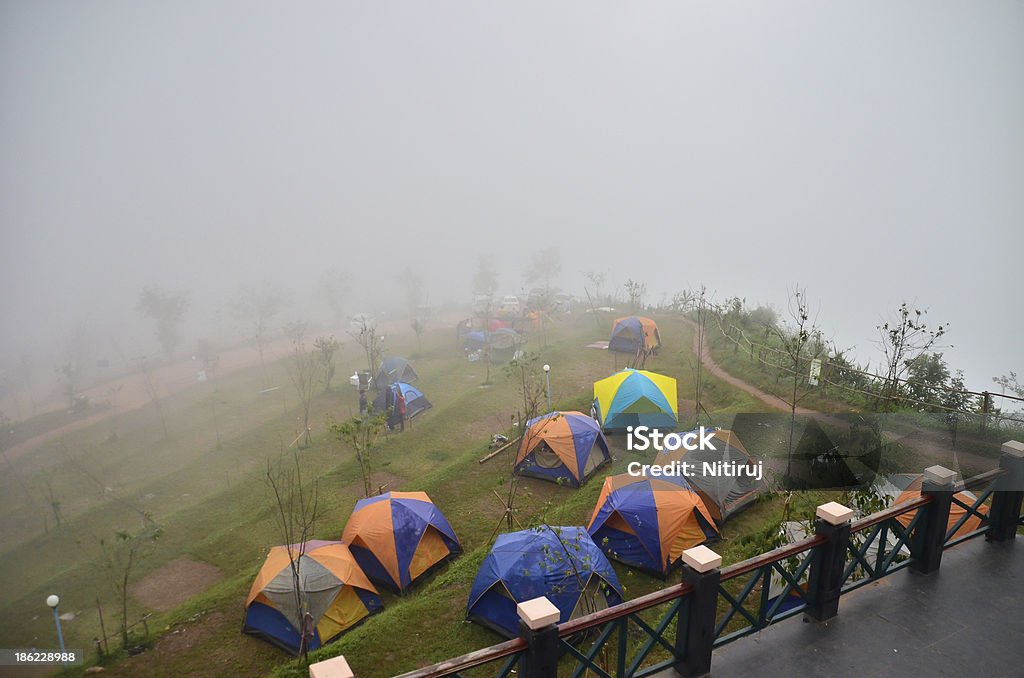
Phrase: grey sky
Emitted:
{"points": [[868, 151]]}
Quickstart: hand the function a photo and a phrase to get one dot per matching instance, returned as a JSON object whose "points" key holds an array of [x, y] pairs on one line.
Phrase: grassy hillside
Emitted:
{"points": [[214, 507]]}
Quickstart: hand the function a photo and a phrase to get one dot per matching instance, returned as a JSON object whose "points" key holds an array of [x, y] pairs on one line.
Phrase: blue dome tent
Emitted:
{"points": [[541, 562]]}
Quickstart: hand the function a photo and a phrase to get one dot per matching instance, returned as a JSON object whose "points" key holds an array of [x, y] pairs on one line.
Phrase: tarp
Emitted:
{"points": [[562, 447], [648, 522], [397, 536], [333, 588], [633, 333], [636, 398], [561, 563]]}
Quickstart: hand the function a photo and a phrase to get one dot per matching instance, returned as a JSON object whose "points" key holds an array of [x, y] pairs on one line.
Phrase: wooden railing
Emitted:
{"points": [[678, 626]]}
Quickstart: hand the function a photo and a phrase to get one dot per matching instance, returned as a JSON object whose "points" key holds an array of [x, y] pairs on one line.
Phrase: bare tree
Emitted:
{"points": [[167, 308], [334, 288], [326, 347], [304, 368], [595, 292], [364, 331], [530, 385], [72, 368], [903, 339], [801, 343], [122, 554], [418, 327], [484, 312], [297, 511], [152, 387], [485, 280], [412, 283], [255, 309], [360, 434], [636, 292], [702, 308], [544, 268]]}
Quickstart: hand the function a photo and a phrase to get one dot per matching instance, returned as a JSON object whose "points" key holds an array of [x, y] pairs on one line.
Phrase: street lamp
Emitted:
{"points": [[53, 601], [547, 378]]}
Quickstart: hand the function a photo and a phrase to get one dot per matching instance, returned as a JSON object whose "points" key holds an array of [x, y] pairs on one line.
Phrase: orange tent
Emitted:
{"points": [[649, 522], [562, 447], [398, 536], [956, 512]]}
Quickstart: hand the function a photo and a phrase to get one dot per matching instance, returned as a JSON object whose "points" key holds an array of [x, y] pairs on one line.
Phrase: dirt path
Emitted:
{"points": [[930, 444], [130, 392], [713, 367]]}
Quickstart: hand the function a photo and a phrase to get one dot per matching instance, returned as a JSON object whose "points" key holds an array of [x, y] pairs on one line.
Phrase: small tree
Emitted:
{"points": [[484, 312], [304, 368], [412, 283], [544, 268], [903, 339], [167, 308], [702, 308], [364, 331], [636, 292], [255, 309], [485, 280], [419, 328], [152, 387], [122, 554], [297, 511], [325, 348], [334, 288], [801, 342], [533, 394], [360, 434]]}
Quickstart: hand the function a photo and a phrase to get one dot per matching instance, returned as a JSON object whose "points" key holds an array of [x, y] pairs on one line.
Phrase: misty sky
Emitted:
{"points": [[870, 151]]}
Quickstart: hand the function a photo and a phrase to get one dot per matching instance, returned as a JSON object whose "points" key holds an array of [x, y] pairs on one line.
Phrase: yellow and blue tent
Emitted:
{"points": [[636, 398], [398, 536]]}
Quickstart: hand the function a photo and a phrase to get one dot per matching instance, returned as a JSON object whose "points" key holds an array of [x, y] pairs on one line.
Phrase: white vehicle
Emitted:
{"points": [[509, 306]]}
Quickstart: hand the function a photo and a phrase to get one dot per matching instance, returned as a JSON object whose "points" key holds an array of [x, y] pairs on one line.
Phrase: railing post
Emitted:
{"points": [[929, 536], [696, 638], [538, 625], [335, 667], [826, 578], [1008, 494]]}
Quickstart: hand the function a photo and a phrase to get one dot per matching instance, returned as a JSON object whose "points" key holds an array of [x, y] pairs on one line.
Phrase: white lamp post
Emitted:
{"points": [[547, 378], [53, 601]]}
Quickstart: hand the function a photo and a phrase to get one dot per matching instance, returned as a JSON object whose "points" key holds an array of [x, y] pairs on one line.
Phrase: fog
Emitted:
{"points": [[870, 152]]}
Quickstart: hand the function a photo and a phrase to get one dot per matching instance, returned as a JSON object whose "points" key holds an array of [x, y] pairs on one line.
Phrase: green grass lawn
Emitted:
{"points": [[214, 507]]}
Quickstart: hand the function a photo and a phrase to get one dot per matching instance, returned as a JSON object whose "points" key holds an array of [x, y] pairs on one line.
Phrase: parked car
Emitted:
{"points": [[509, 306]]}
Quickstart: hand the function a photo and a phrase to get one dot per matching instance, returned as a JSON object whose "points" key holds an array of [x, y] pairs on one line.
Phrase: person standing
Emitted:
{"points": [[400, 408]]}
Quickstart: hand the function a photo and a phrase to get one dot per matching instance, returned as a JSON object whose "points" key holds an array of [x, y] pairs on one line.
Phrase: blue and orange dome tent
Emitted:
{"points": [[334, 590], [562, 447], [633, 334], [561, 563], [398, 536], [648, 522]]}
